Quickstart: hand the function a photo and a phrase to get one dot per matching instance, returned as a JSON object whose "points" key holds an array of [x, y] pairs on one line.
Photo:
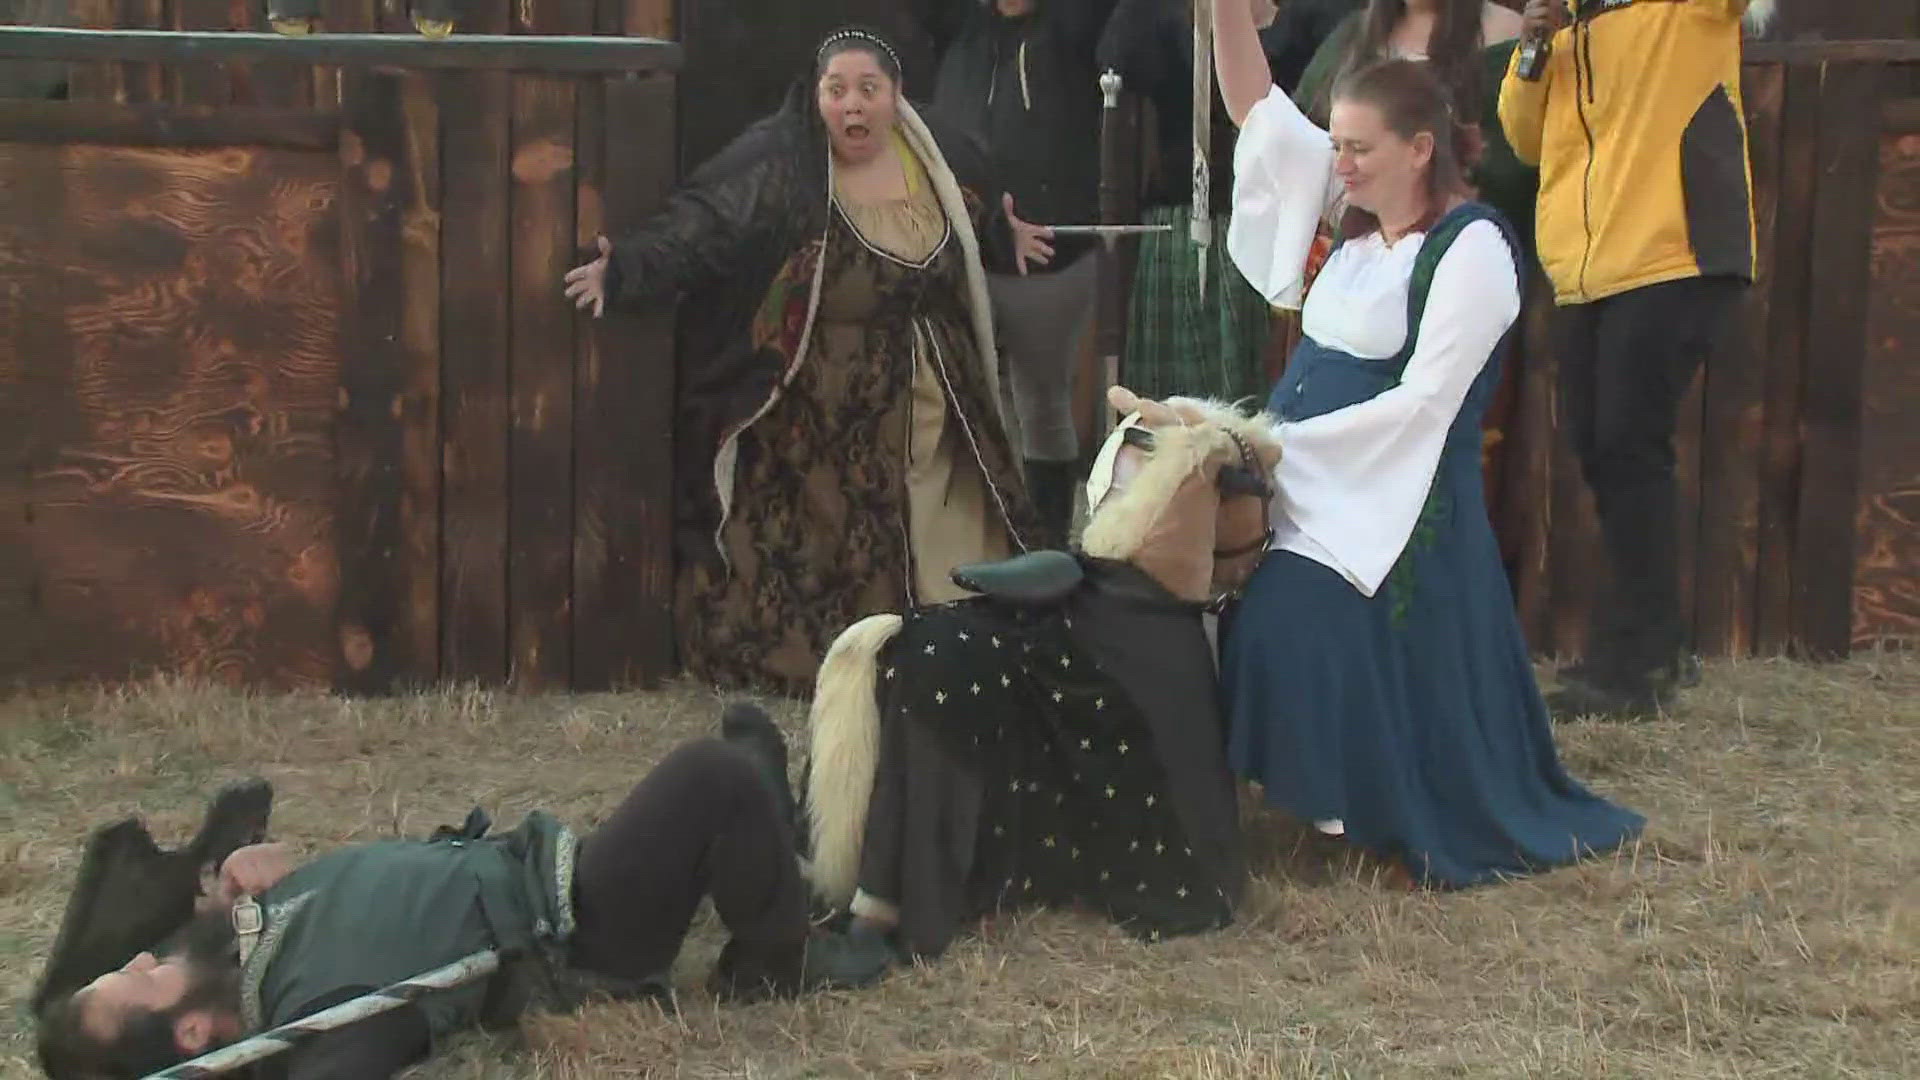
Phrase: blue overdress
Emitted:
{"points": [[1413, 716]]}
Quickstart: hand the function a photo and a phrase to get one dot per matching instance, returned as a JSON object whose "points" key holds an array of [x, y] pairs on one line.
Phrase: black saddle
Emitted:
{"points": [[1036, 579], [131, 895]]}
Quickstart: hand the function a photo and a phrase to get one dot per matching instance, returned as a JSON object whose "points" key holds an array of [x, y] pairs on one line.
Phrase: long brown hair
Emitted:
{"points": [[1453, 49], [1411, 99]]}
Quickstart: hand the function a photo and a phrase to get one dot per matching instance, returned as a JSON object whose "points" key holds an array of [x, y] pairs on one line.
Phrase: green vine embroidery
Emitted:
{"points": [[1402, 581]]}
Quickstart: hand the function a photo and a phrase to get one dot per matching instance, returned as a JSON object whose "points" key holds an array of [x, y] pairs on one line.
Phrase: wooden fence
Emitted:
{"points": [[288, 396]]}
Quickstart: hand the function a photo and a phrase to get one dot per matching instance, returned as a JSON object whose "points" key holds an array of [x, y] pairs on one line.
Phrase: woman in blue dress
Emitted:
{"points": [[1376, 678]]}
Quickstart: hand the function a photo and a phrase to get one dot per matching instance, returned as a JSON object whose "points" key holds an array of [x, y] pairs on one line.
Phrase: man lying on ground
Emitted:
{"points": [[608, 911]]}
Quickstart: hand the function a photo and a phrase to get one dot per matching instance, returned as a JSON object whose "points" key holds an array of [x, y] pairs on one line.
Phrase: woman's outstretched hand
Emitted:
{"points": [[587, 285], [1031, 243]]}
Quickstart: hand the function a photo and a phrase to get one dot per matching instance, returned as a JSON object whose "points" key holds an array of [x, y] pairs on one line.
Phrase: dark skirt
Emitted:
{"points": [[1413, 715]]}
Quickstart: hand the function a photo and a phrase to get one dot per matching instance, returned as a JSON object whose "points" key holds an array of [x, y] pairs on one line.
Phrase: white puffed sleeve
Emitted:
{"points": [[1283, 184]]}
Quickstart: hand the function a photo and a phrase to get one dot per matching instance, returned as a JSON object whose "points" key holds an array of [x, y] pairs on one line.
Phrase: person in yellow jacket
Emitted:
{"points": [[1644, 223]]}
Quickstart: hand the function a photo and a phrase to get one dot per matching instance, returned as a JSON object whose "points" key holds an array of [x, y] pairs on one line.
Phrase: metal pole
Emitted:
{"points": [[1108, 230], [1200, 227], [286, 1036], [1111, 334]]}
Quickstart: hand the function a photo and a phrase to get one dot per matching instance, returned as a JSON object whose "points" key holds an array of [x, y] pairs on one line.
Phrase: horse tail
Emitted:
{"points": [[845, 752]]}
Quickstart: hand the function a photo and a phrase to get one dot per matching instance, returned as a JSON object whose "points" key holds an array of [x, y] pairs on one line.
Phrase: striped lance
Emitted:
{"points": [[286, 1036], [1201, 226]]}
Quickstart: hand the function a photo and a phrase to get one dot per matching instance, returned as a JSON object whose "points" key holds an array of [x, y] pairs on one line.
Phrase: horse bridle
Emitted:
{"points": [[1252, 481], [1249, 479]]}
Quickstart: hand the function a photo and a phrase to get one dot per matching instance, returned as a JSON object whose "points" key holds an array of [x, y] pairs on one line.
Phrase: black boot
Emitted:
{"points": [[1052, 485], [826, 960], [748, 727]]}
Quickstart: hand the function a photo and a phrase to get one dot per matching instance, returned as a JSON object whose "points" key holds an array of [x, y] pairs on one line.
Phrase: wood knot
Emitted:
{"points": [[356, 647], [540, 161]]}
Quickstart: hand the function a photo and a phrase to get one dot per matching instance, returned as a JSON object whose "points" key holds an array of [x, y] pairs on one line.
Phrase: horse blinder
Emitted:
{"points": [[1237, 481]]}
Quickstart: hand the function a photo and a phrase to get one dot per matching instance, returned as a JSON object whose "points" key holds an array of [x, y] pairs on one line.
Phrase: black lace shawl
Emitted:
{"points": [[720, 243]]}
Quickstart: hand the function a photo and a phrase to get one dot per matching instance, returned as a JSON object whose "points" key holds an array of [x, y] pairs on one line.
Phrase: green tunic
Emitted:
{"points": [[374, 914]]}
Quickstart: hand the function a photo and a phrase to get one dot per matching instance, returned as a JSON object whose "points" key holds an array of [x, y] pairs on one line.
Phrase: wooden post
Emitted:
{"points": [[281, 85], [474, 348], [420, 307], [1786, 334], [94, 80], [206, 82], [540, 449], [1847, 166], [35, 343], [1532, 443], [374, 646], [624, 560], [1886, 600]]}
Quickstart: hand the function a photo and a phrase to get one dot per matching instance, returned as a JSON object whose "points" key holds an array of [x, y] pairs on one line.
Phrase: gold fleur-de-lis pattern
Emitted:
{"points": [[1075, 806]]}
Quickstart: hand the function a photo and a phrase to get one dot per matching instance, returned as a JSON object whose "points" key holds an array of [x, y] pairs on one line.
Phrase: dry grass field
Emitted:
{"points": [[1767, 925]]}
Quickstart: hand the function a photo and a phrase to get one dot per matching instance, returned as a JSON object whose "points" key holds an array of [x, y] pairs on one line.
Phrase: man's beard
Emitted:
{"points": [[211, 949]]}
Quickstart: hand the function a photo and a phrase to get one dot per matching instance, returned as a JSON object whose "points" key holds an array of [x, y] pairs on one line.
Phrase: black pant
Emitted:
{"points": [[1625, 364], [702, 823]]}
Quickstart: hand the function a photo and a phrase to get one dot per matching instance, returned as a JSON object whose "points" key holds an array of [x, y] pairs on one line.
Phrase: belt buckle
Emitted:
{"points": [[248, 921]]}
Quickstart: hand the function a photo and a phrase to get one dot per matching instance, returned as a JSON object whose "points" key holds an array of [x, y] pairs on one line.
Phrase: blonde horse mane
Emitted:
{"points": [[1121, 525]]}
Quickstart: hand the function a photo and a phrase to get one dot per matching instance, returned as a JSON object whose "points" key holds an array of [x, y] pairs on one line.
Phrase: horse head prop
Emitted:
{"points": [[1181, 490]]}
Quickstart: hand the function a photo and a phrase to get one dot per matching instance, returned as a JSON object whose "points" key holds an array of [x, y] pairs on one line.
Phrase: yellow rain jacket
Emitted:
{"points": [[1637, 127]]}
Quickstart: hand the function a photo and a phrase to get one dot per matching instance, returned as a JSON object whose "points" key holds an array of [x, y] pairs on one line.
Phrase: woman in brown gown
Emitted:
{"points": [[841, 439]]}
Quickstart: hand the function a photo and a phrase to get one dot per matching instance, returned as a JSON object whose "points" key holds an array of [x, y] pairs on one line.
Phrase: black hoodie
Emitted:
{"points": [[1028, 88]]}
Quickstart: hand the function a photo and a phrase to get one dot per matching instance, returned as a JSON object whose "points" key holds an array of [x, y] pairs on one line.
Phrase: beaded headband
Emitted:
{"points": [[861, 36]]}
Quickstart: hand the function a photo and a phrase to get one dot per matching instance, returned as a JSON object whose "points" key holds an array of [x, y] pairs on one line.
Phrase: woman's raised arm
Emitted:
{"points": [[1239, 62]]}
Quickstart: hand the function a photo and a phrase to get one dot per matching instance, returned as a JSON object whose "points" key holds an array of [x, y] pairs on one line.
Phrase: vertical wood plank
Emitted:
{"points": [[641, 119], [1724, 590], [288, 86], [33, 338], [94, 80], [207, 82], [597, 455], [1887, 581], [35, 79], [1792, 286], [420, 516], [474, 383], [1528, 518], [142, 83], [622, 557], [540, 451], [1830, 394], [341, 17], [374, 642]]}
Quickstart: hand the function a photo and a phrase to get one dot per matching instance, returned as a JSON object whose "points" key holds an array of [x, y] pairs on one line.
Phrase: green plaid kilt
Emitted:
{"points": [[1178, 343]]}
